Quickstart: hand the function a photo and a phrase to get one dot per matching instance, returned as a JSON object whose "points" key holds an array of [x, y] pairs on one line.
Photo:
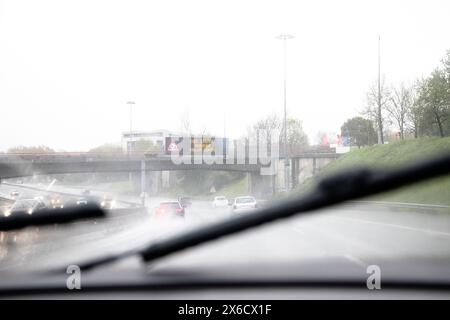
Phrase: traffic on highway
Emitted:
{"points": [[225, 153]]}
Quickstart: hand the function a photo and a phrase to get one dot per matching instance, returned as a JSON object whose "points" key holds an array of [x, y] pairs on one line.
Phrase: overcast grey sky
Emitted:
{"points": [[67, 68]]}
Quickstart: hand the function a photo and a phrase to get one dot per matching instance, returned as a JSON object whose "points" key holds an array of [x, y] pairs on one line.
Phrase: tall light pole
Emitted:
{"points": [[284, 38], [131, 103], [224, 124], [380, 123]]}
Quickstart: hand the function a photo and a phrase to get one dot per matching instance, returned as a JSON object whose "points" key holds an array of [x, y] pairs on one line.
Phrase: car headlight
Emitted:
{"points": [[102, 204], [7, 213], [30, 211]]}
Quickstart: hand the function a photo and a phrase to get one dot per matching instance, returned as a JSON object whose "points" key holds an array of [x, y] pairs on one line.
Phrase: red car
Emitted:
{"points": [[170, 208]]}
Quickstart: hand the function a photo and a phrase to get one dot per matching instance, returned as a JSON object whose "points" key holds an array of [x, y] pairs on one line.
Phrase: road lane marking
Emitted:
{"points": [[445, 234], [317, 248], [351, 257]]}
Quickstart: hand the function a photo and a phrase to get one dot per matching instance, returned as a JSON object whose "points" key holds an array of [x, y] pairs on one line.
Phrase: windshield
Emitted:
{"points": [[143, 108]]}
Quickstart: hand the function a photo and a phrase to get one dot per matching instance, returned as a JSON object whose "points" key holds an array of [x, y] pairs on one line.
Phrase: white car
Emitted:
{"points": [[244, 204], [14, 194], [220, 201], [82, 202]]}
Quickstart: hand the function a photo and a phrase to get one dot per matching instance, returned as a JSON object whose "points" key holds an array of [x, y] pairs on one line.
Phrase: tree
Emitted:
{"points": [[144, 145], [446, 64], [359, 131], [107, 148], [377, 99], [32, 149], [431, 111], [434, 96], [297, 138], [401, 102], [266, 126], [415, 114]]}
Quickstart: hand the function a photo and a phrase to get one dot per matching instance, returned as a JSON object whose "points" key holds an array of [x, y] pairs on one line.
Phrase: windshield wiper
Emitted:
{"points": [[19, 220], [344, 186]]}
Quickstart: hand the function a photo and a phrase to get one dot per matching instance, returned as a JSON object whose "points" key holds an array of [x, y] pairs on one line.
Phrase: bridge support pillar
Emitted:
{"points": [[143, 183], [260, 185], [287, 173], [154, 182], [294, 173]]}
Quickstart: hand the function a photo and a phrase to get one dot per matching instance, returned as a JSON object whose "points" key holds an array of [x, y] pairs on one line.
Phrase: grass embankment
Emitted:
{"points": [[231, 190], [390, 156], [120, 187], [235, 189]]}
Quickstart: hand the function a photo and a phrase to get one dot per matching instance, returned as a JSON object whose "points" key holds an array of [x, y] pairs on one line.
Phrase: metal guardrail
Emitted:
{"points": [[62, 193], [403, 205]]}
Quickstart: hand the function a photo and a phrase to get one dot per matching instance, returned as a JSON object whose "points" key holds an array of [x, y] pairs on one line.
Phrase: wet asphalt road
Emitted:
{"points": [[359, 233]]}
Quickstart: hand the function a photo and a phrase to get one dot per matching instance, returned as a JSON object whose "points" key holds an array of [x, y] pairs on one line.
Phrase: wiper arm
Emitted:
{"points": [[42, 217], [348, 185]]}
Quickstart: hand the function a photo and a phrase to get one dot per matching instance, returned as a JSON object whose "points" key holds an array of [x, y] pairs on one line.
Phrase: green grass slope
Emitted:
{"points": [[436, 191]]}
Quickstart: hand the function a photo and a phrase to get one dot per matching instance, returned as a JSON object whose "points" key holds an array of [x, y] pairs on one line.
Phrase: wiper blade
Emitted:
{"points": [[43, 217], [344, 186]]}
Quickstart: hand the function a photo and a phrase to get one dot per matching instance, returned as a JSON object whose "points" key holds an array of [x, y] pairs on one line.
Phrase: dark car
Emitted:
{"points": [[170, 209], [82, 202], [56, 202], [107, 203]]}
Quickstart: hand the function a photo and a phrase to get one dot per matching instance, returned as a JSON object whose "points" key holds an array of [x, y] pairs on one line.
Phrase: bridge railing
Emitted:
{"points": [[136, 156], [68, 156]]}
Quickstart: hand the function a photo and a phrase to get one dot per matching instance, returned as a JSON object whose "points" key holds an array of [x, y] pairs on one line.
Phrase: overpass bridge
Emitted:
{"points": [[299, 167]]}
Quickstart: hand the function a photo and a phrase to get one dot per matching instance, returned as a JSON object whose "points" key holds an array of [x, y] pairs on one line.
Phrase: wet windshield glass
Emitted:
{"points": [[172, 116]]}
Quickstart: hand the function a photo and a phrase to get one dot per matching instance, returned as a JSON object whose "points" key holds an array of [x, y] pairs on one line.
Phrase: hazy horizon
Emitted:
{"points": [[74, 65]]}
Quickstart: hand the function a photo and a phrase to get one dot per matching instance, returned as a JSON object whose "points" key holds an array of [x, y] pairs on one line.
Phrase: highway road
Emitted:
{"points": [[360, 233]]}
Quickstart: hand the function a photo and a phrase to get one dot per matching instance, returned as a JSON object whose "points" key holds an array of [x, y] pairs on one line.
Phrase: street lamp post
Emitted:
{"points": [[130, 103], [130, 140], [284, 38]]}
